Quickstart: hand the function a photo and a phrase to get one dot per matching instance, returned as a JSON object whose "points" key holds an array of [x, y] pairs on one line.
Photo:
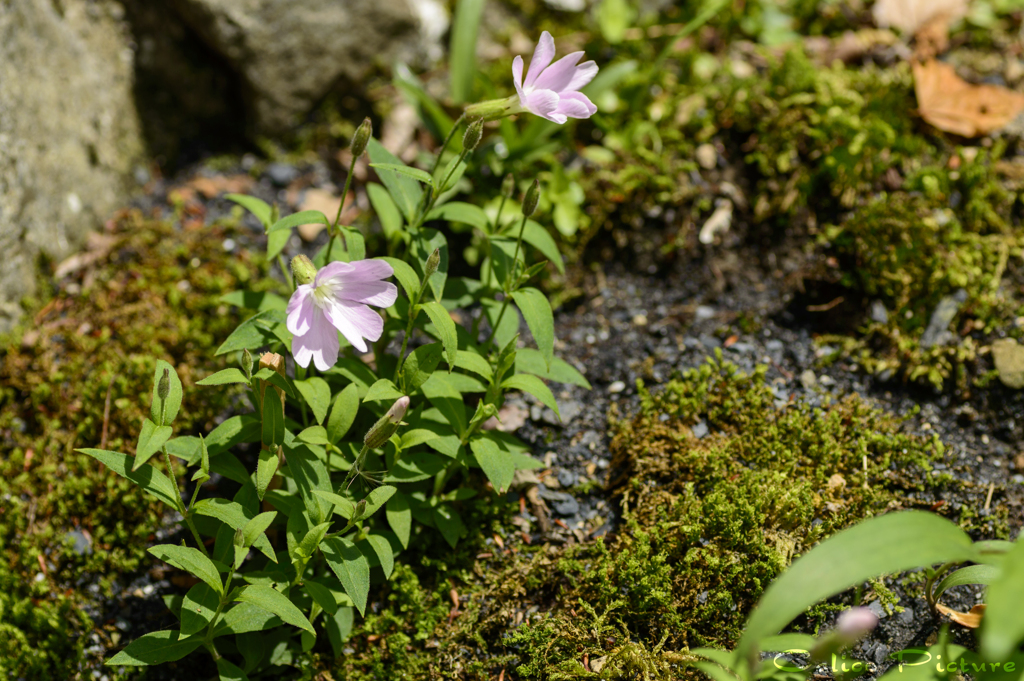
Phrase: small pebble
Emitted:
{"points": [[281, 174], [700, 430], [617, 387]]}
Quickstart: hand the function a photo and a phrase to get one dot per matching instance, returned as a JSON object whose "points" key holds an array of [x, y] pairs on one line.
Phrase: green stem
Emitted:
{"points": [[447, 139], [508, 284], [287, 273], [413, 313], [356, 467], [337, 219], [208, 638]]}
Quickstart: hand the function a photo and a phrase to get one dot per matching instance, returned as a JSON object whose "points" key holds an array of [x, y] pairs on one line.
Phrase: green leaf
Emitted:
{"points": [[614, 17], [382, 547], [148, 478], [402, 169], [244, 618], [415, 467], [155, 648], [342, 506], [164, 412], [420, 365], [1002, 627], [339, 628], [305, 217], [229, 672], [539, 238], [255, 300], [400, 518], [343, 413], [151, 438], [314, 435], [446, 330], [190, 560], [449, 523], [276, 243], [447, 400], [256, 206], [425, 242], [973, 574], [537, 311], [498, 465], [310, 473], [273, 422], [470, 361], [198, 608], [235, 516], [386, 210], [377, 498], [249, 335], [275, 379], [534, 386], [274, 601], [465, 213], [462, 69], [351, 567], [508, 327], [253, 531], [322, 595], [531, 361], [225, 377], [879, 545], [317, 395], [405, 191], [406, 276], [309, 543], [266, 467], [383, 389]]}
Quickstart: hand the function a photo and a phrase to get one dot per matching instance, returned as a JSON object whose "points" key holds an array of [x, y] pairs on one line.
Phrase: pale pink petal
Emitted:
{"points": [[379, 293], [355, 321], [300, 310], [517, 75], [360, 270], [543, 103], [320, 344], [542, 56], [585, 73], [557, 76], [576, 105]]}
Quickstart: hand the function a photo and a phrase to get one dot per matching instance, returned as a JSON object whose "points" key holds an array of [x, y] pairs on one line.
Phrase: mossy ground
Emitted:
{"points": [[707, 524], [77, 375]]}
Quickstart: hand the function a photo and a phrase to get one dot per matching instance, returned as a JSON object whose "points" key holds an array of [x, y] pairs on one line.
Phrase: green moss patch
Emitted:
{"points": [[79, 374]]}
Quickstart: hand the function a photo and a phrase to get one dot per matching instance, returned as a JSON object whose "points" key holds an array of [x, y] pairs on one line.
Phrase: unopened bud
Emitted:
{"points": [[855, 623], [361, 138], [387, 426], [163, 388], [508, 186], [360, 509], [433, 261], [474, 131], [531, 198], [303, 270], [239, 537], [247, 362]]}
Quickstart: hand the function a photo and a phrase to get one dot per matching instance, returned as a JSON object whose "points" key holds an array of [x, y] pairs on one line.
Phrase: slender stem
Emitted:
{"points": [[284, 270], [208, 638], [447, 139], [356, 467], [508, 284], [515, 256], [337, 219], [413, 313]]}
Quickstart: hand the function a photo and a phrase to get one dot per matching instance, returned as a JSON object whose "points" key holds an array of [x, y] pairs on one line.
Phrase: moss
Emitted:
{"points": [[78, 373]]}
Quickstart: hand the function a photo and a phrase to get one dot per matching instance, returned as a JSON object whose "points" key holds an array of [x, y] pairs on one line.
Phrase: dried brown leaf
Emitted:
{"points": [[910, 15], [971, 620], [952, 104]]}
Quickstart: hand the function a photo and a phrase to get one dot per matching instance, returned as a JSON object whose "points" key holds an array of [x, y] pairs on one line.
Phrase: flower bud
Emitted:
{"points": [[508, 187], [432, 262], [163, 387], [272, 360], [239, 539], [855, 623], [474, 131], [361, 138], [360, 510], [303, 270], [531, 198], [247, 363], [387, 426]]}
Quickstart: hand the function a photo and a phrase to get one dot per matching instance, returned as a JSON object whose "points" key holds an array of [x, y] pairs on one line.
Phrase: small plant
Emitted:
{"points": [[373, 440]]}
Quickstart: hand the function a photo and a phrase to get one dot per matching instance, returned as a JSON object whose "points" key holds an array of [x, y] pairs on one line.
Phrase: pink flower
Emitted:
{"points": [[551, 91], [337, 299]]}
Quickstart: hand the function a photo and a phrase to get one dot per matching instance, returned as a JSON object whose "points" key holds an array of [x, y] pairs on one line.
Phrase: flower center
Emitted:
{"points": [[323, 293]]}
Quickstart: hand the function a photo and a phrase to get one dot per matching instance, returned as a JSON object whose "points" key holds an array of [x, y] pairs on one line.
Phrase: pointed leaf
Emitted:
{"points": [[197, 609], [446, 330], [400, 518], [306, 217], [229, 672], [314, 435], [425, 242], [419, 365], [317, 395], [256, 206], [449, 523], [538, 237], [322, 595], [351, 567], [498, 465], [404, 191], [275, 602], [266, 468], [190, 560], [406, 276], [343, 413], [537, 311], [531, 361], [151, 439], [165, 411], [447, 400], [1002, 627], [273, 423], [225, 377], [402, 169], [534, 386], [383, 389], [387, 212], [155, 648], [148, 478], [382, 547]]}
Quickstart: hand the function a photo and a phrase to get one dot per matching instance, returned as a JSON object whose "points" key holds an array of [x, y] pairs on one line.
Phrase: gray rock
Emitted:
{"points": [[291, 53], [808, 380], [281, 174], [700, 430], [1009, 359], [69, 136], [567, 507], [879, 313], [938, 332], [907, 616], [83, 545], [566, 478]]}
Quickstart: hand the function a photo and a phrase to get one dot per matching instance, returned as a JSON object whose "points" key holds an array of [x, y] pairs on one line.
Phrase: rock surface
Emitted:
{"points": [[69, 135], [291, 53], [1009, 359]]}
